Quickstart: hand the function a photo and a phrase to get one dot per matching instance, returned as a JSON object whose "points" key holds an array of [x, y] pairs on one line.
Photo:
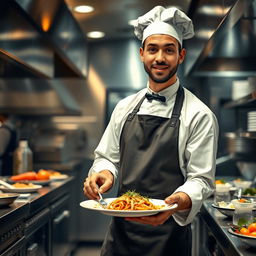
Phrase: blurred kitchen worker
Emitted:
{"points": [[8, 143], [162, 142]]}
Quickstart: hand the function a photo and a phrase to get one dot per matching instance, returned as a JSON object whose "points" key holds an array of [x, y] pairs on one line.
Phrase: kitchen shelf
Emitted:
{"points": [[246, 102]]}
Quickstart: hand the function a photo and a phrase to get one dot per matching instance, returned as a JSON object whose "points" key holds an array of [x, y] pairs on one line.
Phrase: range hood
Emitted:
{"points": [[230, 50], [36, 97]]}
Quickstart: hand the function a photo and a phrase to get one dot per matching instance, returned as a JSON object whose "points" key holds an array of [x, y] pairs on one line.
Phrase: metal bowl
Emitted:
{"points": [[247, 169], [7, 198]]}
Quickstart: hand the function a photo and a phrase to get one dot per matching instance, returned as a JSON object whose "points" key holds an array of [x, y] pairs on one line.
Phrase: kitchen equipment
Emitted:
{"points": [[242, 145], [241, 88], [251, 121], [22, 158], [247, 169], [57, 145]]}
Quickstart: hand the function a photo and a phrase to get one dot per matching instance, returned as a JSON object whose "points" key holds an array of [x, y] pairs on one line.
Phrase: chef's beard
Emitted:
{"points": [[164, 79]]}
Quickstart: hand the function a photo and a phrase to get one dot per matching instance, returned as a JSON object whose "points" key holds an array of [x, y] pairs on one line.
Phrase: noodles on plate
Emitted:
{"points": [[133, 201]]}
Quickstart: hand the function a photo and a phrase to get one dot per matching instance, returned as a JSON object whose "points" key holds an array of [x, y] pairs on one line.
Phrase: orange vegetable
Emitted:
{"points": [[242, 200], [43, 175], [244, 231], [24, 176], [252, 233], [252, 227]]}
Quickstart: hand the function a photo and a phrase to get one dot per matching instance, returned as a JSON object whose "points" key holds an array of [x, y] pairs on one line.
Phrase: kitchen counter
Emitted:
{"points": [[35, 202], [38, 214], [216, 224]]}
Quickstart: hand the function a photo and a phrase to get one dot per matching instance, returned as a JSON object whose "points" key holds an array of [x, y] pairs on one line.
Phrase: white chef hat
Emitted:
{"points": [[170, 21]]}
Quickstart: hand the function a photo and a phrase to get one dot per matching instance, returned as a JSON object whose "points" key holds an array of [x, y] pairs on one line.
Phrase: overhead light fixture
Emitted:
{"points": [[83, 8], [213, 10], [95, 34]]}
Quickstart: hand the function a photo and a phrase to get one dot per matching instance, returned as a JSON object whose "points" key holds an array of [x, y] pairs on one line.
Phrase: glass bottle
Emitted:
{"points": [[23, 158]]}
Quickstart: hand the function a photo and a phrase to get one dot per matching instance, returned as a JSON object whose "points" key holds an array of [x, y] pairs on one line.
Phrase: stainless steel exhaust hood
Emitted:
{"points": [[36, 97], [231, 48]]}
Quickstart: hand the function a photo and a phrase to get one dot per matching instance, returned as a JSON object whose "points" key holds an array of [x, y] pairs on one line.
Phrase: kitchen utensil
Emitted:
{"points": [[5, 184], [239, 193], [102, 202]]}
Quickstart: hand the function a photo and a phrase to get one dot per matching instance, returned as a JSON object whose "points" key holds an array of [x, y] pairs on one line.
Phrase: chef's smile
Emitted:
{"points": [[159, 69]]}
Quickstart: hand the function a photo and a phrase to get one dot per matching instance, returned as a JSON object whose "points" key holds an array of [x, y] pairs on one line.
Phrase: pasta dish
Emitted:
{"points": [[133, 201]]}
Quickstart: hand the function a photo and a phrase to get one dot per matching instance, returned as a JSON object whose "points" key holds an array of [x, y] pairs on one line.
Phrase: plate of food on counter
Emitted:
{"points": [[38, 178], [7, 198], [246, 233], [130, 204], [20, 187], [221, 182], [55, 175], [240, 183], [42, 177], [228, 208]]}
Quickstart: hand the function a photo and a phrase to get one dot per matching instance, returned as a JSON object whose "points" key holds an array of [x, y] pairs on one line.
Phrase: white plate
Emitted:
{"points": [[227, 211], [94, 205], [36, 182], [59, 177], [249, 240], [6, 199], [21, 190]]}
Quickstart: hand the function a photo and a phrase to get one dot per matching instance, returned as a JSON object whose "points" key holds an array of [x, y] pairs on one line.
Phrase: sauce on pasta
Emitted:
{"points": [[133, 201]]}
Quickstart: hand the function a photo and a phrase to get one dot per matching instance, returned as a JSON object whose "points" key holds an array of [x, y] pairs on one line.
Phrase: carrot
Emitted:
{"points": [[24, 176]]}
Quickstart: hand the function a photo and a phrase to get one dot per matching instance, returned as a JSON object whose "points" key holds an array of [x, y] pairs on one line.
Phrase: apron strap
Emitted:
{"points": [[177, 107], [135, 110]]}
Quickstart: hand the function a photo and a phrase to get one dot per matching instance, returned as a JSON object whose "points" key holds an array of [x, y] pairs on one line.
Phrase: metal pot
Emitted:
{"points": [[242, 145]]}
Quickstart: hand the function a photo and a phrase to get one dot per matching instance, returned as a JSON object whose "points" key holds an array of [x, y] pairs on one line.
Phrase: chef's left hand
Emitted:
{"points": [[180, 198]]}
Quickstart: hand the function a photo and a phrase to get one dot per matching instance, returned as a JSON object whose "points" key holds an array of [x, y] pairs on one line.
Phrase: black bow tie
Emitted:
{"points": [[155, 97]]}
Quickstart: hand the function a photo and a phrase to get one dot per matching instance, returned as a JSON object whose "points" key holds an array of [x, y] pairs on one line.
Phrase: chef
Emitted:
{"points": [[161, 142], [8, 143]]}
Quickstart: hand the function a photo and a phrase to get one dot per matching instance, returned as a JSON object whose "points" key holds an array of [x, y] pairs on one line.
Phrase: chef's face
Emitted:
{"points": [[161, 56]]}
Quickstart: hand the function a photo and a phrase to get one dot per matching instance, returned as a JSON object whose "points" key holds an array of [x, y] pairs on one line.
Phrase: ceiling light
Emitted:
{"points": [[212, 10], [95, 34], [83, 8]]}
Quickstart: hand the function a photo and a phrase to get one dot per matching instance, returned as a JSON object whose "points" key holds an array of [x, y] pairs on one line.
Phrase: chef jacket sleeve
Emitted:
{"points": [[199, 165]]}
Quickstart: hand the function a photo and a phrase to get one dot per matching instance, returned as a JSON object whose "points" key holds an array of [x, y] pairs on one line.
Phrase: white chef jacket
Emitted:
{"points": [[198, 137]]}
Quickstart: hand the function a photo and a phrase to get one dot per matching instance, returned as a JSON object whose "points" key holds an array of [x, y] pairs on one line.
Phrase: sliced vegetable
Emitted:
{"points": [[24, 176]]}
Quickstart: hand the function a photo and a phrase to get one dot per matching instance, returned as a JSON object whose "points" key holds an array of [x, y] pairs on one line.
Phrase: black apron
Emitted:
{"points": [[149, 164]]}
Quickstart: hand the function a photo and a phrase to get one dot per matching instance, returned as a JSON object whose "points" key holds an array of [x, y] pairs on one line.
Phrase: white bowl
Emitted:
{"points": [[242, 183], [243, 206]]}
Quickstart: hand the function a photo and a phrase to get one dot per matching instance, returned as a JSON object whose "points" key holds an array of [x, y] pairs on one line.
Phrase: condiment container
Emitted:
{"points": [[221, 194], [22, 158], [243, 211]]}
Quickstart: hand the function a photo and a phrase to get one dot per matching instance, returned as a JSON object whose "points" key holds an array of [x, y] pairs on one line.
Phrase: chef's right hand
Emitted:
{"points": [[101, 182]]}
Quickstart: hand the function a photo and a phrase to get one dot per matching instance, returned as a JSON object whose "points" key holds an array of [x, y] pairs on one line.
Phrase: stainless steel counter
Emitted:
{"points": [[216, 224]]}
